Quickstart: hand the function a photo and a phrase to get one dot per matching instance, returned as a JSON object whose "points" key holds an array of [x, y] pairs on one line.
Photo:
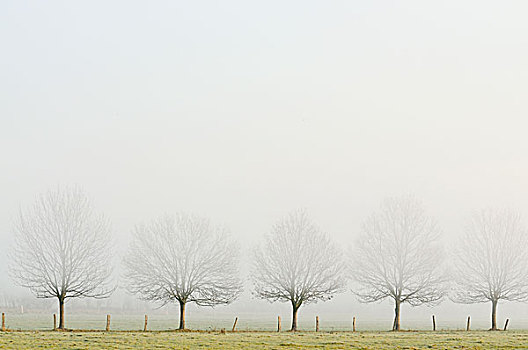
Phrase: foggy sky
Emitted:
{"points": [[243, 111]]}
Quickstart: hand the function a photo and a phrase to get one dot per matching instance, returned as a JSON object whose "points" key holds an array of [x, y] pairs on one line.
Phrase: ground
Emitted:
{"points": [[264, 340]]}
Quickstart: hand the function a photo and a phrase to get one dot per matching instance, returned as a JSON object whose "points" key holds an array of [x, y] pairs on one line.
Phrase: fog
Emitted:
{"points": [[242, 112]]}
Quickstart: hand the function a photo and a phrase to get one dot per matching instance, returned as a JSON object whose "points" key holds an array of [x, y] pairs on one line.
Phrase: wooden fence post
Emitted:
{"points": [[145, 327], [54, 322], [506, 323], [354, 324], [234, 324], [278, 324], [468, 323], [107, 323], [3, 322], [434, 323], [317, 323]]}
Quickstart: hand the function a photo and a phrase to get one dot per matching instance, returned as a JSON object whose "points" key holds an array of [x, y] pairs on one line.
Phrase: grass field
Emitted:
{"points": [[264, 340]]}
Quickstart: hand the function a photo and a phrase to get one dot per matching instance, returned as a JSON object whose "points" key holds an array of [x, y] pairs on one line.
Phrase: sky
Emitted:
{"points": [[243, 111]]}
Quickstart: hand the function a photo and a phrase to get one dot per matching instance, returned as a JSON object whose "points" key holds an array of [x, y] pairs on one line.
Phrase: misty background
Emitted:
{"points": [[242, 111]]}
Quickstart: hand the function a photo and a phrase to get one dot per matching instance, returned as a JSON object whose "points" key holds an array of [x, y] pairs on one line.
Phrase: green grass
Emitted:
{"points": [[264, 340]]}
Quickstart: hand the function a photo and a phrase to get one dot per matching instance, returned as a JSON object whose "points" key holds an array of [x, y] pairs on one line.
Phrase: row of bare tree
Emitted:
{"points": [[63, 250]]}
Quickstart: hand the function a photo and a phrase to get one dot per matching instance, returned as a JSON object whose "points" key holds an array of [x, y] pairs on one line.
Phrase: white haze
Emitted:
{"points": [[243, 111]]}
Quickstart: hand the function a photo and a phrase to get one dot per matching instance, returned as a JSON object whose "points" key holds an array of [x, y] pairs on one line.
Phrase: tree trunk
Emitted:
{"points": [[396, 324], [494, 314], [182, 315], [294, 318], [61, 313]]}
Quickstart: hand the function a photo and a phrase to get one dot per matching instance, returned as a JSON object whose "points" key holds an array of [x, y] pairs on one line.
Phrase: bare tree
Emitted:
{"points": [[185, 259], [299, 264], [491, 260], [62, 249], [398, 256]]}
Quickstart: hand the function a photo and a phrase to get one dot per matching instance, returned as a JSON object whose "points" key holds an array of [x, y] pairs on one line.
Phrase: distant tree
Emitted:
{"points": [[185, 259], [299, 264], [491, 260], [398, 256], [62, 249]]}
